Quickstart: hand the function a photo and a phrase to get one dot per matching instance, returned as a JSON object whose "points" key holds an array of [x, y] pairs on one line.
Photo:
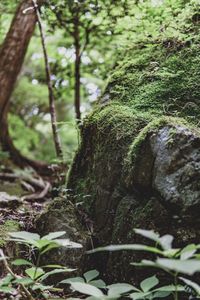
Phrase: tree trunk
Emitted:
{"points": [[77, 68], [52, 108], [12, 56]]}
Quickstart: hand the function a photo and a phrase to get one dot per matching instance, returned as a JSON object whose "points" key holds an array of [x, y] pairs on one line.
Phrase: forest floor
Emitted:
{"points": [[23, 196]]}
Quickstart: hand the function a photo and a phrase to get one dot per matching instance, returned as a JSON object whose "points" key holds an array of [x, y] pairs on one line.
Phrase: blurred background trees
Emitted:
{"points": [[84, 39]]}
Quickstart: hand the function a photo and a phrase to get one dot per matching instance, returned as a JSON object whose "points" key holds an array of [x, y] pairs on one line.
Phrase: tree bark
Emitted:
{"points": [[12, 55], [77, 74]]}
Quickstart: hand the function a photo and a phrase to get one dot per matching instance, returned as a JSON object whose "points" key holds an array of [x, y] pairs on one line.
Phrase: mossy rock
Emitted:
{"points": [[137, 147], [61, 215], [137, 165]]}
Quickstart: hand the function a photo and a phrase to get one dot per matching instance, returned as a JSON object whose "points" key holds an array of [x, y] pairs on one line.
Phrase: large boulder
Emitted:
{"points": [[138, 162]]}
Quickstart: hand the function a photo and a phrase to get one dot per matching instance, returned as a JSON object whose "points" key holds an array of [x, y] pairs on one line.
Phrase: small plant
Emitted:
{"points": [[31, 282], [174, 261], [97, 289]]}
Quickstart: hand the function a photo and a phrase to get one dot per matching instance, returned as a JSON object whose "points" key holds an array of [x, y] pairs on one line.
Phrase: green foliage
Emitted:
{"points": [[147, 290], [174, 261], [89, 277], [24, 137], [34, 275], [156, 41]]}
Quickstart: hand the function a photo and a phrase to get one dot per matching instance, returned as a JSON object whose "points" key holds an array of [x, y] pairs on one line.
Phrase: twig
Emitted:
{"points": [[24, 289]]}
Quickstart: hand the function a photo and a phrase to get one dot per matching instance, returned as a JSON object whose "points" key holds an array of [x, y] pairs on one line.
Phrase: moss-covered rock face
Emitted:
{"points": [[152, 80], [62, 216], [138, 162]]}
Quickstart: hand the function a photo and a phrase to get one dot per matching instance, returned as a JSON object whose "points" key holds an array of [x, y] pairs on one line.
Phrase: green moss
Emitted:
{"points": [[154, 80], [5, 228], [107, 133]]}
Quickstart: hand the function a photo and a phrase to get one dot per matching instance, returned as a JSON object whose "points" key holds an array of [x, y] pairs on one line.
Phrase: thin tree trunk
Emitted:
{"points": [[12, 55], [77, 72], [52, 108]]}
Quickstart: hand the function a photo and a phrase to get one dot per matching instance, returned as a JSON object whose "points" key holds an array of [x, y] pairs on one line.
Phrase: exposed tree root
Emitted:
{"points": [[33, 183], [38, 196]]}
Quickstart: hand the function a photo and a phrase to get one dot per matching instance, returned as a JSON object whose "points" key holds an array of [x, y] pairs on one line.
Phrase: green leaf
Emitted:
{"points": [[54, 266], [6, 290], [147, 284], [87, 289], [188, 251], [6, 280], [67, 243], [150, 234], [90, 275], [21, 262], [24, 235], [98, 283], [34, 273], [74, 279], [171, 252], [52, 245], [145, 263], [56, 271], [170, 288], [21, 241], [41, 287], [166, 241], [133, 247], [25, 281], [139, 295], [158, 295], [53, 235], [182, 266], [118, 289], [44, 243], [97, 21]]}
